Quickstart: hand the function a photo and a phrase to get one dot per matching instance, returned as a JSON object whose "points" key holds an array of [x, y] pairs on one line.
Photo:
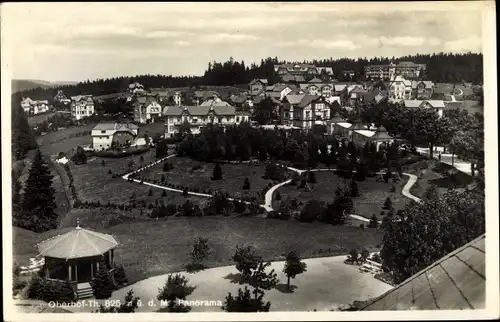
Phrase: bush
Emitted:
{"points": [[102, 285], [387, 204], [50, 290], [373, 222], [120, 154], [164, 193], [311, 211], [217, 172], [393, 189], [246, 184], [119, 275], [278, 196], [150, 192]]}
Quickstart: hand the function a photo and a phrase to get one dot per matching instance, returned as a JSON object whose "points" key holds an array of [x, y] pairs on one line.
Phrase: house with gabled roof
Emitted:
{"points": [[400, 88], [105, 134], [147, 109], [197, 117], [438, 105], [33, 107], [136, 88], [82, 106], [422, 89], [257, 86], [305, 111]]}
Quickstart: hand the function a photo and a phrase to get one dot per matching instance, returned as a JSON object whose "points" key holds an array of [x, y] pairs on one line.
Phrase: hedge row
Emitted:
{"points": [[120, 154]]}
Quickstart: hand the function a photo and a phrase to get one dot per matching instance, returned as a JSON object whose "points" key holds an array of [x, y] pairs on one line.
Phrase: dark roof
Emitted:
{"points": [[77, 243], [199, 110], [300, 78], [307, 99], [315, 80], [456, 281], [238, 99], [381, 134]]}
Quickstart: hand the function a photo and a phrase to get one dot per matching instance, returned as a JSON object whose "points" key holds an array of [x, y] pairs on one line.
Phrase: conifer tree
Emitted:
{"points": [[37, 207], [102, 285], [217, 174]]}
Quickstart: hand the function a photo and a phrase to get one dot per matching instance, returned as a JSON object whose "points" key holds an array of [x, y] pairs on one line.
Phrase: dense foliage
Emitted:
{"points": [[102, 284], [130, 304], [23, 138], [429, 230]]}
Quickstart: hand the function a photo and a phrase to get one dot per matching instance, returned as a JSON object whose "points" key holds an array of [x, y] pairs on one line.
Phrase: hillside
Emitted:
{"points": [[27, 84]]}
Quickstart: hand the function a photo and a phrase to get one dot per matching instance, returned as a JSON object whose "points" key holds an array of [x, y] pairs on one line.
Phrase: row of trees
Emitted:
{"points": [[244, 142], [459, 130]]}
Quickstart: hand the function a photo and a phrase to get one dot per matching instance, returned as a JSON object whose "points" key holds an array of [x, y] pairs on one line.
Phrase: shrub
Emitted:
{"points": [[278, 196], [246, 184], [119, 275], [354, 189], [362, 226], [311, 211], [102, 284], [217, 172], [311, 177], [150, 192], [393, 188], [387, 204], [185, 192], [164, 193], [373, 222], [103, 163], [50, 290]]}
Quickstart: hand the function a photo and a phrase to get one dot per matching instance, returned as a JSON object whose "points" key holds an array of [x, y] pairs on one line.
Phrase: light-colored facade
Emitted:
{"points": [[147, 110], [136, 88], [257, 86], [178, 98], [104, 134], [408, 70], [82, 106], [400, 88], [305, 111], [197, 117], [32, 107], [422, 89], [438, 105]]}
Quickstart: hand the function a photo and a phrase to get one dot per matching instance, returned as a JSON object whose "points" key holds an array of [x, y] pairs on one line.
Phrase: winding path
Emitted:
{"points": [[268, 200]]}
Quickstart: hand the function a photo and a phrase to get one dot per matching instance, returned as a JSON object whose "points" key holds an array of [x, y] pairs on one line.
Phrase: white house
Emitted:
{"points": [[178, 98], [32, 107], [136, 88], [439, 105], [400, 88], [146, 109], [82, 106], [104, 134], [197, 117]]}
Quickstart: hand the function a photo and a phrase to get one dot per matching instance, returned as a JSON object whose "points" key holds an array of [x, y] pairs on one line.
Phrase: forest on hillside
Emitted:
{"points": [[442, 67]]}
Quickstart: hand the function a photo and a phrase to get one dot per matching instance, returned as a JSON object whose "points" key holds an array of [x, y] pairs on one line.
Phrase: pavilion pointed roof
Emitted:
{"points": [[77, 243], [382, 134]]}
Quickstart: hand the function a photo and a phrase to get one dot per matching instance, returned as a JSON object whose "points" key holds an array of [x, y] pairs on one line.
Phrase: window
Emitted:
{"points": [[237, 118]]}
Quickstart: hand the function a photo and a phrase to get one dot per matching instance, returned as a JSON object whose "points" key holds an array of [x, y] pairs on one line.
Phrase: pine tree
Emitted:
{"points": [[246, 184], [38, 202], [217, 173], [16, 196], [244, 302], [387, 204], [176, 288], [373, 222], [102, 284], [354, 189]]}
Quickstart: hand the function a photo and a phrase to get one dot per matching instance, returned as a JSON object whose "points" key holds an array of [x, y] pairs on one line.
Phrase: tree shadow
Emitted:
{"points": [[283, 288], [194, 268], [235, 278]]}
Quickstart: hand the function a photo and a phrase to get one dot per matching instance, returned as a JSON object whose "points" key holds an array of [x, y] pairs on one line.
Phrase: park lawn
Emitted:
{"points": [[152, 129], [370, 201], [63, 134], [433, 172], [66, 145], [185, 174], [94, 183], [24, 245], [157, 247], [36, 119]]}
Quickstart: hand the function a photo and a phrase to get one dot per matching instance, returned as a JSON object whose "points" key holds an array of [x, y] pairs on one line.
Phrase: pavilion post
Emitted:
{"points": [[91, 270], [69, 272], [76, 273]]}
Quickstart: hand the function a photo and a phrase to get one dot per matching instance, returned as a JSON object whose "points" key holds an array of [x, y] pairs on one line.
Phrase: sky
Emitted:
{"points": [[78, 41]]}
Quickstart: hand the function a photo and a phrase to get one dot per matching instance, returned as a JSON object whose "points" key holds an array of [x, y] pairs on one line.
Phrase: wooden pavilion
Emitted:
{"points": [[75, 257]]}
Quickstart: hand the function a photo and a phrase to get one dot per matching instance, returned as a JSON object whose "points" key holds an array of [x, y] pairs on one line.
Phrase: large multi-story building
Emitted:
{"points": [[305, 111], [82, 106], [104, 134], [197, 117], [408, 70]]}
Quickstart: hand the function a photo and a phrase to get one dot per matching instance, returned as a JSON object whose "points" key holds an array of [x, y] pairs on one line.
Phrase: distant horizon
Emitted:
{"points": [[80, 41], [235, 59]]}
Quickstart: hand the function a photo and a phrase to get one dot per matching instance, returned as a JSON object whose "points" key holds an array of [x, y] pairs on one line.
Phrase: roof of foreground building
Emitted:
{"points": [[455, 282]]}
